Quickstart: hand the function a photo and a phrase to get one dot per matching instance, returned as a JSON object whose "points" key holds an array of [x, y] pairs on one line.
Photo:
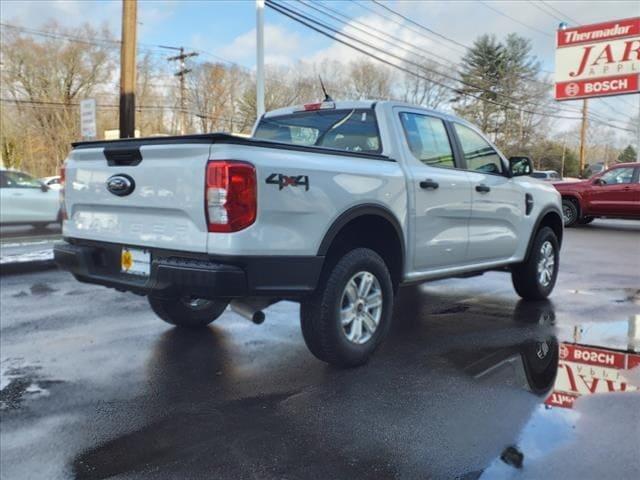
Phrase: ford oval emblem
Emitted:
{"points": [[120, 185]]}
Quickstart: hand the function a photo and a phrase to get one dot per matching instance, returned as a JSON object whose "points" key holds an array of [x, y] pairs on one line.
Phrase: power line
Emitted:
{"points": [[296, 16], [112, 43], [362, 27], [422, 67], [51, 104], [413, 29], [421, 26], [541, 82], [563, 15], [352, 23], [513, 19], [544, 10]]}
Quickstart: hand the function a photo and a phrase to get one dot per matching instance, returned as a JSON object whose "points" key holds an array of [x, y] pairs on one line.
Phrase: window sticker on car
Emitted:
{"points": [[286, 180]]}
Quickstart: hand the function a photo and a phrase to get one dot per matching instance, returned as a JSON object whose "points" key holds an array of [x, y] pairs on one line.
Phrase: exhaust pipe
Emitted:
{"points": [[251, 308]]}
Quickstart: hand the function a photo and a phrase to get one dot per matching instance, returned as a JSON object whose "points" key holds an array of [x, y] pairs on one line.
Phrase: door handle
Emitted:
{"points": [[482, 188], [428, 183]]}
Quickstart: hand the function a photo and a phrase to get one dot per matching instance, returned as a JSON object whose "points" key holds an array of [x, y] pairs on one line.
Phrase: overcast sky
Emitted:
{"points": [[226, 29]]}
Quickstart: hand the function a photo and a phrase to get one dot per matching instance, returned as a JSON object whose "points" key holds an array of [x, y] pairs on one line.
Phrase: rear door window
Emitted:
{"points": [[352, 130], [427, 139]]}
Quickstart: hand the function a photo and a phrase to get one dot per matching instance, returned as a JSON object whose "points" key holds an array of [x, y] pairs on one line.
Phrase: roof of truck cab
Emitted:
{"points": [[350, 104]]}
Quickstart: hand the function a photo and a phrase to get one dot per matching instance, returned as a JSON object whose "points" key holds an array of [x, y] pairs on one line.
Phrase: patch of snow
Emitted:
{"points": [[37, 256]]}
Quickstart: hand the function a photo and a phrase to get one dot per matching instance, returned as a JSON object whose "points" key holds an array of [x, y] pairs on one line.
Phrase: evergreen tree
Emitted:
{"points": [[627, 155], [501, 76]]}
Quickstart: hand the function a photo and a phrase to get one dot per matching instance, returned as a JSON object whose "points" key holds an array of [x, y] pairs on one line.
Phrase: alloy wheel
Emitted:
{"points": [[546, 264], [361, 307]]}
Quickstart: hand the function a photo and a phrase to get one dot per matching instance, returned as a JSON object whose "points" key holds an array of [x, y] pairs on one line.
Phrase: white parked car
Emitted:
{"points": [[25, 200], [53, 183], [333, 205]]}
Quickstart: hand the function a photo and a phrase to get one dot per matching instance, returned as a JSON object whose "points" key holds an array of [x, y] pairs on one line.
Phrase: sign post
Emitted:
{"points": [[598, 60], [88, 128]]}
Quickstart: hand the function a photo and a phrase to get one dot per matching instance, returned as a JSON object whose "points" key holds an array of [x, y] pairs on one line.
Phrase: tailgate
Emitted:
{"points": [[165, 208]]}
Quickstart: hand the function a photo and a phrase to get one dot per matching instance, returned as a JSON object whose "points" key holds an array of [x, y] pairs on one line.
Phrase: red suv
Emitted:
{"points": [[613, 193]]}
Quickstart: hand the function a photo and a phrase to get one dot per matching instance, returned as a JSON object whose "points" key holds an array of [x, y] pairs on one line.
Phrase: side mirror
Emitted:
{"points": [[519, 166], [44, 187], [598, 181]]}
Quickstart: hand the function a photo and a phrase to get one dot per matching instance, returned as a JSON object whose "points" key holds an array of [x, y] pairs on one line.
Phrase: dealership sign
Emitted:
{"points": [[597, 60]]}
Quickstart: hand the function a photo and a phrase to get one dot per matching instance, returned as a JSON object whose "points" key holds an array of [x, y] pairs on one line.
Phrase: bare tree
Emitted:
{"points": [[46, 79], [369, 80], [425, 87]]}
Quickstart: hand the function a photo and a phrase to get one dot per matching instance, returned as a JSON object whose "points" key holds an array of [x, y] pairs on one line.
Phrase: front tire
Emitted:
{"points": [[535, 278], [185, 311], [569, 212], [349, 314]]}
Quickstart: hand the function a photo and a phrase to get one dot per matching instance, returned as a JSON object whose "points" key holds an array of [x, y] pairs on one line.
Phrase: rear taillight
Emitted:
{"points": [[63, 207], [230, 195]]}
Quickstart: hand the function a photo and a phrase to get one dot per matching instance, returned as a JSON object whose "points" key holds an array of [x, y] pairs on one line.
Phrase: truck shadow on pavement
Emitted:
{"points": [[429, 404]]}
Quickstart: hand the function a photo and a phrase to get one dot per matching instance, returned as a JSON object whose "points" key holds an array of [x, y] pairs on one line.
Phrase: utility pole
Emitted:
{"points": [[128, 70], [259, 58], [638, 133], [181, 73], [583, 135], [564, 151]]}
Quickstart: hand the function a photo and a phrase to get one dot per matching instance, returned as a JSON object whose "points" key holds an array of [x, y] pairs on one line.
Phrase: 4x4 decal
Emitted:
{"points": [[286, 180]]}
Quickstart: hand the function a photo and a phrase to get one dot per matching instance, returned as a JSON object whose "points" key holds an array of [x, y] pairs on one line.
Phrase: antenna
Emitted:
{"points": [[327, 98]]}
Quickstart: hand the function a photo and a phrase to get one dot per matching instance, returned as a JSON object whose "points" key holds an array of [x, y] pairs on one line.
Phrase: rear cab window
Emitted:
{"points": [[351, 130]]}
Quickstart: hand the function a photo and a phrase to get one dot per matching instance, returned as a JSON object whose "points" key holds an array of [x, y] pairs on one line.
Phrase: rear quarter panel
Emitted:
{"points": [[293, 219]]}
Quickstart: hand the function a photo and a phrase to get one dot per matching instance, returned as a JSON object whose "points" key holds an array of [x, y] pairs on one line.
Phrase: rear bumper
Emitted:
{"points": [[198, 275]]}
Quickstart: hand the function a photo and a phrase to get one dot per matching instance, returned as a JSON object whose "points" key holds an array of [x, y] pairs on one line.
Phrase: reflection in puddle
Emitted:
{"points": [[595, 396]]}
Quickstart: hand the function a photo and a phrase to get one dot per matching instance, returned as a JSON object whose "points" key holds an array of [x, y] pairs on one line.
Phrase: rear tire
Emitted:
{"points": [[569, 212], [535, 278], [349, 314], [184, 311]]}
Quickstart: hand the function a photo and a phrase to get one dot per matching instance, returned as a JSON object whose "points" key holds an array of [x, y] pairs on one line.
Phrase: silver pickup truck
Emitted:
{"points": [[333, 205]]}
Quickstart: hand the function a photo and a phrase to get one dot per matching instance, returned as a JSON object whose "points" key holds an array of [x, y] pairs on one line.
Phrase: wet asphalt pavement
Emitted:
{"points": [[95, 386]]}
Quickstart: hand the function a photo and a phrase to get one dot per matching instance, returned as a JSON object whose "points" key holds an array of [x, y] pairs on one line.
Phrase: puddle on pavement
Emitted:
{"points": [[593, 407], [619, 295]]}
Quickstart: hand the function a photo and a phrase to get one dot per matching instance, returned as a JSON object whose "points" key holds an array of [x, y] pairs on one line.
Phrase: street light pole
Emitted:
{"points": [[259, 58]]}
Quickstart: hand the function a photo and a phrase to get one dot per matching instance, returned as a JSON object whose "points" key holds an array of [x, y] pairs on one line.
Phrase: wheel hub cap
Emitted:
{"points": [[361, 307], [546, 264]]}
